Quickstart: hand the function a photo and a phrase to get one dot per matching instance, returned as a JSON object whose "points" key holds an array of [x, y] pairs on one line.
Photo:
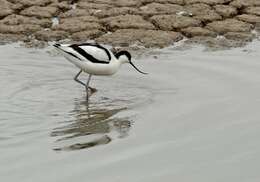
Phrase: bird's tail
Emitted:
{"points": [[56, 45]]}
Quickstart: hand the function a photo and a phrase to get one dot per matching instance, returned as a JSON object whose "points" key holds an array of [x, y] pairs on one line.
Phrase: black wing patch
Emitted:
{"points": [[72, 55], [89, 57], [98, 46], [58, 46]]}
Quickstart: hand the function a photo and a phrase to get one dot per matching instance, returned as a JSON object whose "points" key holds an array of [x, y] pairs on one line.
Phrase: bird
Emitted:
{"points": [[94, 59]]}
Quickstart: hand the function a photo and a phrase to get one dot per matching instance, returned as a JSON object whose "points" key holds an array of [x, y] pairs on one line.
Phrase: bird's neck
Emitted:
{"points": [[116, 61], [122, 60]]}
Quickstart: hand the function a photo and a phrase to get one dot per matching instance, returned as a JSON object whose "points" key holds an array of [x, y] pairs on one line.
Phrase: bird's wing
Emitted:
{"points": [[92, 52], [65, 49]]}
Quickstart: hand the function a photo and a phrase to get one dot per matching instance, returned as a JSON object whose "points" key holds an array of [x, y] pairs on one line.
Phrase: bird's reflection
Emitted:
{"points": [[92, 125]]}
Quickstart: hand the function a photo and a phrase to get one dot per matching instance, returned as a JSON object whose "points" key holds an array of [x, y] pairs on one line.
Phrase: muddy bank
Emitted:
{"points": [[148, 23]]}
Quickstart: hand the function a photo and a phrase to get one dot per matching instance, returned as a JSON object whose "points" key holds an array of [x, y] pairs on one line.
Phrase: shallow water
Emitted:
{"points": [[195, 117]]}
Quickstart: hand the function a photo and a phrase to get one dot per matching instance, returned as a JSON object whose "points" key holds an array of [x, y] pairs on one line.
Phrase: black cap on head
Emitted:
{"points": [[126, 53]]}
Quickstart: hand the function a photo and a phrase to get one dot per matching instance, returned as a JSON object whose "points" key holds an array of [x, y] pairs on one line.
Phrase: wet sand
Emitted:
{"points": [[195, 117]]}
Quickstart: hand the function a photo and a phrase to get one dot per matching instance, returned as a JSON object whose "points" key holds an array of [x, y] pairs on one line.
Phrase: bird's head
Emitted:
{"points": [[125, 57]]}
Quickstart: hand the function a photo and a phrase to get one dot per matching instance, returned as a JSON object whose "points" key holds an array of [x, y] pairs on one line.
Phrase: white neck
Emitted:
{"points": [[123, 59]]}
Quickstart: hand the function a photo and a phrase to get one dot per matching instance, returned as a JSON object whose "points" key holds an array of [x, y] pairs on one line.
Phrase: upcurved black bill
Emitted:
{"points": [[137, 68]]}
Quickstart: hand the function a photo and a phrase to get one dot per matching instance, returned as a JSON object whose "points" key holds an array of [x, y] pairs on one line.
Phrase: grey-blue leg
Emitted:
{"points": [[88, 87], [77, 80]]}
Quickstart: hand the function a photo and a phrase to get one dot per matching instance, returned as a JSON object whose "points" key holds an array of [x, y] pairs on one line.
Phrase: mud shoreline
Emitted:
{"points": [[124, 23]]}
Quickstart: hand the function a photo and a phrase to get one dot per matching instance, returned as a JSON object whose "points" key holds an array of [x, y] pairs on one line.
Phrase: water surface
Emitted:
{"points": [[195, 117]]}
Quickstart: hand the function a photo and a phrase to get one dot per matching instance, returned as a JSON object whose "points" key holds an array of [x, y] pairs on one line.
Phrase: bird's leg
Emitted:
{"points": [[77, 80], [87, 87]]}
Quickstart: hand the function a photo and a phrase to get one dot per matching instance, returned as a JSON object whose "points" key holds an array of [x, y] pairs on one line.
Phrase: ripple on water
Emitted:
{"points": [[107, 117], [91, 126], [37, 100]]}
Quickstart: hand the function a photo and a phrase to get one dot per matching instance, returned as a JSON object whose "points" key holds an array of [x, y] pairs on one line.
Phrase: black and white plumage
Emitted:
{"points": [[85, 52], [94, 59]]}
